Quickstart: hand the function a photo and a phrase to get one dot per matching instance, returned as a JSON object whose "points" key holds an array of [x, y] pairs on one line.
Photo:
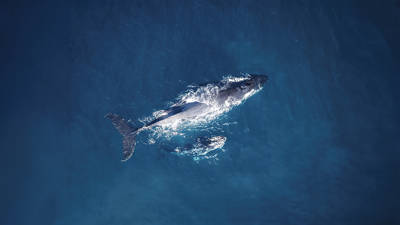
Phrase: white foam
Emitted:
{"points": [[204, 94]]}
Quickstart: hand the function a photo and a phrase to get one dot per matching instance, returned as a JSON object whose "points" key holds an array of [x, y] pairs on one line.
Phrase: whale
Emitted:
{"points": [[201, 147], [199, 104]]}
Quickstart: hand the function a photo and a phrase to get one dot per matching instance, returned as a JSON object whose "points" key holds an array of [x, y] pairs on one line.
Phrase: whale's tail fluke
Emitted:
{"points": [[128, 133]]}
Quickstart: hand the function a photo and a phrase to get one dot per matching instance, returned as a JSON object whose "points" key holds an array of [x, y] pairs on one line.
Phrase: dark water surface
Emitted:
{"points": [[319, 145]]}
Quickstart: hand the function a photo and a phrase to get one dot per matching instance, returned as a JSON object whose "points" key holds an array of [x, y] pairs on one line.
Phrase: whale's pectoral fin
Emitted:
{"points": [[128, 133]]}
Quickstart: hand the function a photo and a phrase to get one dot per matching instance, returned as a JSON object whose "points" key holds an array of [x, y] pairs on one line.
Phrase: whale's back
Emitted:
{"points": [[180, 112]]}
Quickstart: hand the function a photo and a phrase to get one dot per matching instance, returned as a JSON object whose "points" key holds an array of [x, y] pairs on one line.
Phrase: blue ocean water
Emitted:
{"points": [[319, 145]]}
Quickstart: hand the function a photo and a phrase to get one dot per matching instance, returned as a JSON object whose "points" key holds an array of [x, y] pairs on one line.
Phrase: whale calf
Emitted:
{"points": [[201, 147], [199, 104]]}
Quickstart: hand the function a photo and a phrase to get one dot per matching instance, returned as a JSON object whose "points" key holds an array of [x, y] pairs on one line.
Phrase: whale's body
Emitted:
{"points": [[205, 102], [186, 111]]}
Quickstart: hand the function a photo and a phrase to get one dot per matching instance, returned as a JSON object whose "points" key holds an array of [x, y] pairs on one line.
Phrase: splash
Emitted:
{"points": [[204, 119]]}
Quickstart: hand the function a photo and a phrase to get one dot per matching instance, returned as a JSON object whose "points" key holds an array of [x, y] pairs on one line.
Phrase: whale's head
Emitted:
{"points": [[243, 88], [255, 82]]}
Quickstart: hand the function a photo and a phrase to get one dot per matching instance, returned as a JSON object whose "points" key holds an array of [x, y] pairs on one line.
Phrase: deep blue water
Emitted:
{"points": [[319, 145]]}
